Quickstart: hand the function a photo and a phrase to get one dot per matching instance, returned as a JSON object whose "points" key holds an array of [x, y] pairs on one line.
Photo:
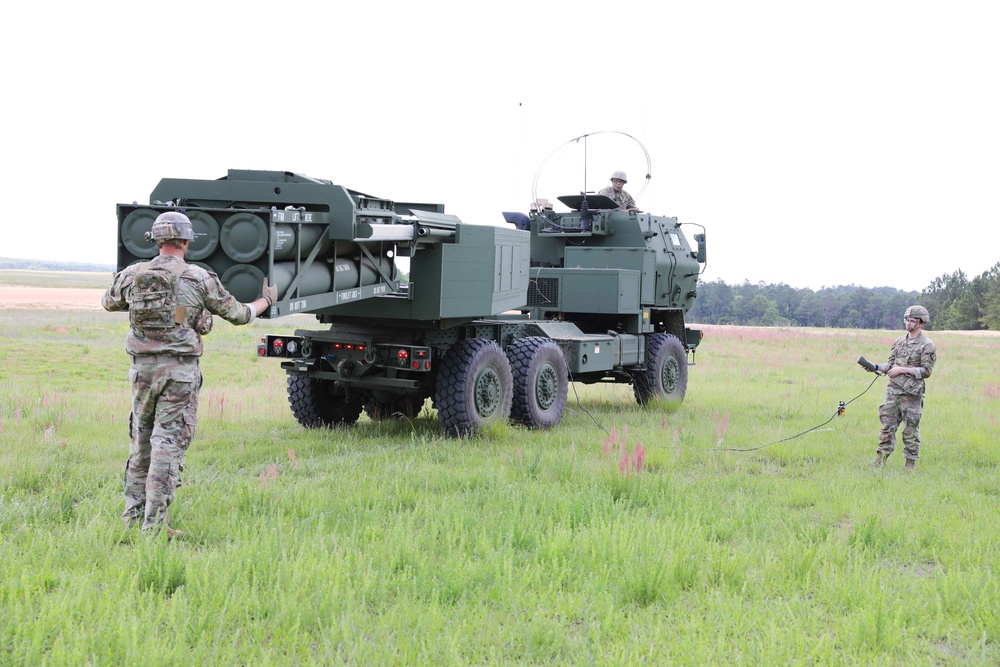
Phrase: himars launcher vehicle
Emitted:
{"points": [[491, 323]]}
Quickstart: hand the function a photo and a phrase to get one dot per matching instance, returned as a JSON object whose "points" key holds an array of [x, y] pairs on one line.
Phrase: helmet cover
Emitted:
{"points": [[919, 312], [171, 225]]}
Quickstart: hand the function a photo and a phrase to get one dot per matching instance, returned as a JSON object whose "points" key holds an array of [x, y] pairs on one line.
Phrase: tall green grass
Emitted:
{"points": [[623, 536]]}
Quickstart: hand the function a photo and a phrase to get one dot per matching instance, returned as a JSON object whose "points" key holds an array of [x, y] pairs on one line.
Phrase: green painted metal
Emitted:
{"points": [[599, 283], [332, 251]]}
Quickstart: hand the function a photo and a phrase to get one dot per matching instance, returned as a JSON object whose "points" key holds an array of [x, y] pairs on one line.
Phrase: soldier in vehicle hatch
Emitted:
{"points": [[911, 361], [616, 192], [170, 306]]}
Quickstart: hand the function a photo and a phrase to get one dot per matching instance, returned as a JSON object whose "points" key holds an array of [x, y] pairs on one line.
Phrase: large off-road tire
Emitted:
{"points": [[474, 387], [666, 374], [320, 403], [400, 407], [541, 382]]}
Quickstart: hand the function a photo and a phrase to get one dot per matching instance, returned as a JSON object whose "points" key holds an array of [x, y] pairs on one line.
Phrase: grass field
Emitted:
{"points": [[66, 279], [623, 536]]}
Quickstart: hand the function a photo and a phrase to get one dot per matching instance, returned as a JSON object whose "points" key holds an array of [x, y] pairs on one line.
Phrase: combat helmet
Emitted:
{"points": [[619, 174], [919, 312], [171, 225]]}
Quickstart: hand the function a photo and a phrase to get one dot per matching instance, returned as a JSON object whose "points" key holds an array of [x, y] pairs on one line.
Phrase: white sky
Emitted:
{"points": [[818, 143]]}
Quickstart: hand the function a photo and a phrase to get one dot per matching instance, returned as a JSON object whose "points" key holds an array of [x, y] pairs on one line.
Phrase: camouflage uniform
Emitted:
{"points": [[622, 198], [904, 395], [166, 380]]}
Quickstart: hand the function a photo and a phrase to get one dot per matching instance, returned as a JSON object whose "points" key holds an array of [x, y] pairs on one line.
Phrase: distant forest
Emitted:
{"points": [[954, 302], [45, 265]]}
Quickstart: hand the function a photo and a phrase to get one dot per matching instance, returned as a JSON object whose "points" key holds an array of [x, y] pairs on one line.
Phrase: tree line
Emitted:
{"points": [[954, 302], [14, 263]]}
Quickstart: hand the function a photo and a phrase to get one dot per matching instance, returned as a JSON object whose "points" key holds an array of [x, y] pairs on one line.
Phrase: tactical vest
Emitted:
{"points": [[153, 300]]}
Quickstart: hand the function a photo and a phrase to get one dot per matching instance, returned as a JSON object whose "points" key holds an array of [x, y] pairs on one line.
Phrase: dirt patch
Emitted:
{"points": [[47, 298]]}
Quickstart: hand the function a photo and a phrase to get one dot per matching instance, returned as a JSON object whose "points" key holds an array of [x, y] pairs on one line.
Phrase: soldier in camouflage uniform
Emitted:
{"points": [[170, 306], [616, 192], [911, 361]]}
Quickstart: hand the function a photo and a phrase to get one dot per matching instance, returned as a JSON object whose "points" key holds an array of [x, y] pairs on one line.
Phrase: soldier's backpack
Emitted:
{"points": [[153, 300]]}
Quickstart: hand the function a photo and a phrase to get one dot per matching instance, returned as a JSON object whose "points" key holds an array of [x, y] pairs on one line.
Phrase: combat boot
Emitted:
{"points": [[880, 458], [911, 465], [171, 533]]}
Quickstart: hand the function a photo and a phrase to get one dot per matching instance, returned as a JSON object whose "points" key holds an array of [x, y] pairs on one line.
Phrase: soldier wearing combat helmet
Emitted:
{"points": [[911, 361], [170, 305], [616, 193]]}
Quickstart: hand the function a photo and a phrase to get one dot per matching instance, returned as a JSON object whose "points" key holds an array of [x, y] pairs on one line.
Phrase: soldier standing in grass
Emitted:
{"points": [[170, 306], [911, 361]]}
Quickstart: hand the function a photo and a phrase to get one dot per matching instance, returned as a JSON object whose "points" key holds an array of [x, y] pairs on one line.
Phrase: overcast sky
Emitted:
{"points": [[818, 143]]}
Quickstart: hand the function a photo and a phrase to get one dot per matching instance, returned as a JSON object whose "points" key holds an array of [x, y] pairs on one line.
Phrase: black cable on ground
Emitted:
{"points": [[580, 406], [840, 410]]}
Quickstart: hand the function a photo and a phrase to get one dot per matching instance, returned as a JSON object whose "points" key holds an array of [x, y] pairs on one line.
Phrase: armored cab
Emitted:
{"points": [[608, 270]]}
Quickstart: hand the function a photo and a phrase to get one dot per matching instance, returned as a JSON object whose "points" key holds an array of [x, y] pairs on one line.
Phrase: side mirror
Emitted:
{"points": [[701, 254]]}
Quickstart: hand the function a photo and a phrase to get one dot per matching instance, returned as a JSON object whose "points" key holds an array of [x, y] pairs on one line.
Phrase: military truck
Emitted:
{"points": [[491, 322]]}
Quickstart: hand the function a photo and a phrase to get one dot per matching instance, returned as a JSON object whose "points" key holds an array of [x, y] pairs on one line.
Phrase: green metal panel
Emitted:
{"points": [[552, 329], [630, 350], [590, 352], [693, 337], [593, 290], [485, 272], [603, 257]]}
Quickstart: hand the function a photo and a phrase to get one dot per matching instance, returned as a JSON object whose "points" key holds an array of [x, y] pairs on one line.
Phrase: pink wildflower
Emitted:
{"points": [[268, 475], [721, 426], [607, 443], [638, 457]]}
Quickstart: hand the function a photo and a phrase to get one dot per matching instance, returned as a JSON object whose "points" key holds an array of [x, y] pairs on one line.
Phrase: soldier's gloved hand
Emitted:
{"points": [[270, 293]]}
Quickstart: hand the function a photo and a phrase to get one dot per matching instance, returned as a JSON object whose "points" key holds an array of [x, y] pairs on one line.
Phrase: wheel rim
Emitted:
{"points": [[670, 375], [487, 392], [546, 387]]}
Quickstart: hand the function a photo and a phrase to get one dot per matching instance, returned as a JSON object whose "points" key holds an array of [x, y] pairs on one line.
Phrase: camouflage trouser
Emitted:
{"points": [[906, 409], [164, 417], [190, 426]]}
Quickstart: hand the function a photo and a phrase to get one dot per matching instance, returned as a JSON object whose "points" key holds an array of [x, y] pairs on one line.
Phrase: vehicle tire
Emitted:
{"points": [[474, 387], [541, 382], [320, 403], [666, 374], [400, 407]]}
